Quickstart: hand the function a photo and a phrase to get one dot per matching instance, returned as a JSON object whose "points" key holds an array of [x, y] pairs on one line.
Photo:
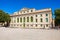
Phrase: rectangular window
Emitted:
{"points": [[46, 25], [14, 24], [20, 25], [41, 25], [41, 15], [36, 20], [28, 25], [24, 25], [36, 25]]}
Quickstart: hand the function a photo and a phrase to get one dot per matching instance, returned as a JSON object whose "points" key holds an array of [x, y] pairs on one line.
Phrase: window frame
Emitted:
{"points": [[46, 14], [31, 19], [41, 20], [17, 20], [21, 19], [46, 19]]}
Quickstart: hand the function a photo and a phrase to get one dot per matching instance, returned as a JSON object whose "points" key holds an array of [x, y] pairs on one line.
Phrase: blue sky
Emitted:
{"points": [[11, 6]]}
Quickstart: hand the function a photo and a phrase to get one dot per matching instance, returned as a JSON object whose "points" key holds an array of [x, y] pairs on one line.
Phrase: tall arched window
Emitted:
{"points": [[31, 10], [24, 19], [31, 19], [20, 19], [36, 20], [17, 19], [41, 20], [27, 19], [46, 19]]}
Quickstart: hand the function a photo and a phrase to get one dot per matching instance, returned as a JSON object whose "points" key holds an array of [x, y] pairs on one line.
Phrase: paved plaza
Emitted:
{"points": [[29, 34]]}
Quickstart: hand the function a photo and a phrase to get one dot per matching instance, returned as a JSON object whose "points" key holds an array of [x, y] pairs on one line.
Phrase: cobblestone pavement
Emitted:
{"points": [[29, 34]]}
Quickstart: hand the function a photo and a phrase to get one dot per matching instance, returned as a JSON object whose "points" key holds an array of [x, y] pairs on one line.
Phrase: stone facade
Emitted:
{"points": [[32, 18]]}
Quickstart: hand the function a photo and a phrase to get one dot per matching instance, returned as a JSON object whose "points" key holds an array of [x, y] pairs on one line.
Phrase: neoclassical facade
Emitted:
{"points": [[32, 18]]}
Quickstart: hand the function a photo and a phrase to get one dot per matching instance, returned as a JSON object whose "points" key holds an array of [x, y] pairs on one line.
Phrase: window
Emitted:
{"points": [[46, 25], [20, 25], [41, 20], [46, 14], [41, 15], [27, 19], [36, 20], [46, 19], [36, 15], [14, 24], [41, 25], [31, 25], [17, 25], [31, 19], [28, 25], [20, 19], [24, 11], [36, 25], [17, 19], [31, 10], [24, 19]]}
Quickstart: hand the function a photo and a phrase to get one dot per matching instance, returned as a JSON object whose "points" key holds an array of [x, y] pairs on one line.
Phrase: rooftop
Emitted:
{"points": [[35, 11]]}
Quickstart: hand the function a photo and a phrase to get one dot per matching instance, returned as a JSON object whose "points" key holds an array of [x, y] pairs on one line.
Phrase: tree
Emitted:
{"points": [[4, 18], [57, 17]]}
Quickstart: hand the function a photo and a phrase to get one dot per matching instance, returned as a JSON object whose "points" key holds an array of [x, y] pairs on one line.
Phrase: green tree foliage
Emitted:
{"points": [[4, 17], [57, 17]]}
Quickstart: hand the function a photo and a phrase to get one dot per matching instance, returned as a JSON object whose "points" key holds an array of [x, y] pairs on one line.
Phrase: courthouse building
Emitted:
{"points": [[32, 18]]}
